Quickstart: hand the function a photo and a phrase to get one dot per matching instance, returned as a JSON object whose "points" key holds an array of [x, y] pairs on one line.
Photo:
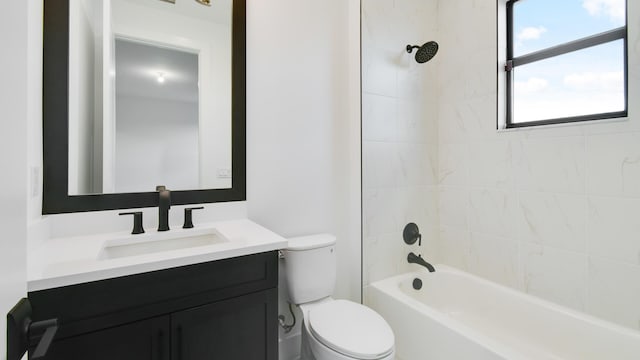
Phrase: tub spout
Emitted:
{"points": [[417, 259]]}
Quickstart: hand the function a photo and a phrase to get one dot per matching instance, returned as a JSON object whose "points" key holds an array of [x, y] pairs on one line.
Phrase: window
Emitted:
{"points": [[566, 61]]}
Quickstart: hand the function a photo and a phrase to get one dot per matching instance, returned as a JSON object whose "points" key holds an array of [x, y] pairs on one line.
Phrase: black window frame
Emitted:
{"points": [[620, 33]]}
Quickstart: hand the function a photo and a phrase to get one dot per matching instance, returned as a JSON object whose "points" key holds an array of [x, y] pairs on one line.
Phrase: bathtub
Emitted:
{"points": [[458, 316]]}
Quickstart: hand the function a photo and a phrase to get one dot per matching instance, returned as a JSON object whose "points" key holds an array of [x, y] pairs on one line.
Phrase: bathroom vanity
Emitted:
{"points": [[203, 293], [208, 301]]}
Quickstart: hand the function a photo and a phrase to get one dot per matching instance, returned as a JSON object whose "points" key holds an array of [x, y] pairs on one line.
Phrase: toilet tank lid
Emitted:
{"points": [[311, 242]]}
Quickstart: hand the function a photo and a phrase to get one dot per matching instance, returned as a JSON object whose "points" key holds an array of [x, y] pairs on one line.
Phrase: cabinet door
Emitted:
{"points": [[142, 340], [242, 328]]}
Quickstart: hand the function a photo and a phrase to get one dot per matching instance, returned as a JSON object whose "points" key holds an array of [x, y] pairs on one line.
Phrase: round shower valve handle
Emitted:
{"points": [[411, 234]]}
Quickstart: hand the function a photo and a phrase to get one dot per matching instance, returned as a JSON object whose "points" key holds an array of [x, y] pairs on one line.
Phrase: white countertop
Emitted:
{"points": [[67, 261]]}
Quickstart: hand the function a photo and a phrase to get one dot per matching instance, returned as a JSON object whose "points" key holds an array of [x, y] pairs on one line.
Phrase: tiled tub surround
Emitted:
{"points": [[456, 315], [551, 211], [399, 130]]}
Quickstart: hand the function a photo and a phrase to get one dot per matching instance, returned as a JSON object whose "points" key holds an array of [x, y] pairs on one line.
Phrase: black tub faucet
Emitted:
{"points": [[164, 204], [417, 259]]}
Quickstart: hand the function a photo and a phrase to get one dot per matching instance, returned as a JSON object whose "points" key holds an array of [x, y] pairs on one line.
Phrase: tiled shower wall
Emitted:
{"points": [[552, 211], [399, 133]]}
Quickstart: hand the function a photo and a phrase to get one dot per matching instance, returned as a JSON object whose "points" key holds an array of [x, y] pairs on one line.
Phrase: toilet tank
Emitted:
{"points": [[310, 267]]}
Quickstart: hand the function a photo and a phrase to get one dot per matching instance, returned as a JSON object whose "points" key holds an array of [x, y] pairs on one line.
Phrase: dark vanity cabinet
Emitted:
{"points": [[144, 339], [231, 329], [225, 309]]}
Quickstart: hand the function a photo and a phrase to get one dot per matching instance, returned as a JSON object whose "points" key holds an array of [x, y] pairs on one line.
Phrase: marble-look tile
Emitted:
{"points": [[380, 211], [555, 165], [614, 292], [415, 18], [379, 72], [430, 164], [556, 275], [492, 212], [613, 165], [418, 205], [380, 165], [416, 165], [552, 131], [557, 220], [430, 248], [490, 164], [411, 79], [468, 80], [453, 167], [613, 229], [453, 205], [451, 127], [417, 123], [385, 256], [461, 18], [463, 120], [377, 30], [454, 247], [379, 118], [496, 259], [461, 78]]}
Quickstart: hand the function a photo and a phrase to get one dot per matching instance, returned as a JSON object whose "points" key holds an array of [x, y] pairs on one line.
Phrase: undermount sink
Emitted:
{"points": [[158, 242]]}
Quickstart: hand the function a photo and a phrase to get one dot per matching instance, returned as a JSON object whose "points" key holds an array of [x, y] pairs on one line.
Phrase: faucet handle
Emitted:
{"points": [[137, 222], [411, 234], [188, 217]]}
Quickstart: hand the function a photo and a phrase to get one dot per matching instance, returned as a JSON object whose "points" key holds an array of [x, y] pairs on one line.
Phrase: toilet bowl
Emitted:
{"points": [[332, 329]]}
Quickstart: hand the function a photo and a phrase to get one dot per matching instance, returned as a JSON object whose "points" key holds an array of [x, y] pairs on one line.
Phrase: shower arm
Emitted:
{"points": [[411, 47]]}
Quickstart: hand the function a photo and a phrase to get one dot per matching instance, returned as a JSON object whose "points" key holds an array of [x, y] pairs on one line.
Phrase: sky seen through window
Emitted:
{"points": [[589, 81]]}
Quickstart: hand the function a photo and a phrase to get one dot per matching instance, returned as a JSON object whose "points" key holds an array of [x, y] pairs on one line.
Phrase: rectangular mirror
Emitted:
{"points": [[139, 93]]}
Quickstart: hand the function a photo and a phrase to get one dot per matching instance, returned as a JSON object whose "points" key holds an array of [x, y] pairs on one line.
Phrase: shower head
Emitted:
{"points": [[425, 52]]}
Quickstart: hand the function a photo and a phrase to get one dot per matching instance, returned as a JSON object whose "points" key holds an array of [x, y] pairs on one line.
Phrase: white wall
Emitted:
{"points": [[18, 34], [551, 211], [399, 131], [303, 136], [302, 143]]}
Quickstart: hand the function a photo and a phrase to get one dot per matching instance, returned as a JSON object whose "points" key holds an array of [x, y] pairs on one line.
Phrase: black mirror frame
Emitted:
{"points": [[55, 124]]}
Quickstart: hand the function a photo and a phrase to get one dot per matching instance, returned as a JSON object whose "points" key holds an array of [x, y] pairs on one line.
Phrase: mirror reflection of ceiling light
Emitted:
{"points": [[203, 2], [160, 77]]}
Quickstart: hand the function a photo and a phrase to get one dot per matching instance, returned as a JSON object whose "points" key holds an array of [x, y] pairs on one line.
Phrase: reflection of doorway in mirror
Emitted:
{"points": [[156, 126], [206, 31], [186, 27]]}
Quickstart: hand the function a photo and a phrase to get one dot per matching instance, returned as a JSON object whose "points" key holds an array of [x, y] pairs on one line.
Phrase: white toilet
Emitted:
{"points": [[331, 329]]}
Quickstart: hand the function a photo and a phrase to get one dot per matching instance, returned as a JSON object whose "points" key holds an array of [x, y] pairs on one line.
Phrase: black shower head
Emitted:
{"points": [[425, 52]]}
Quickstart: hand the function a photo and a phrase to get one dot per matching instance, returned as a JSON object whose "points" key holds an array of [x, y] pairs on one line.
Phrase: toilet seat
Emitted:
{"points": [[351, 329]]}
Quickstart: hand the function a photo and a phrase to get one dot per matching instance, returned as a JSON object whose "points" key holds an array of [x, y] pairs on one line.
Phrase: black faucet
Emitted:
{"points": [[164, 204], [417, 259]]}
